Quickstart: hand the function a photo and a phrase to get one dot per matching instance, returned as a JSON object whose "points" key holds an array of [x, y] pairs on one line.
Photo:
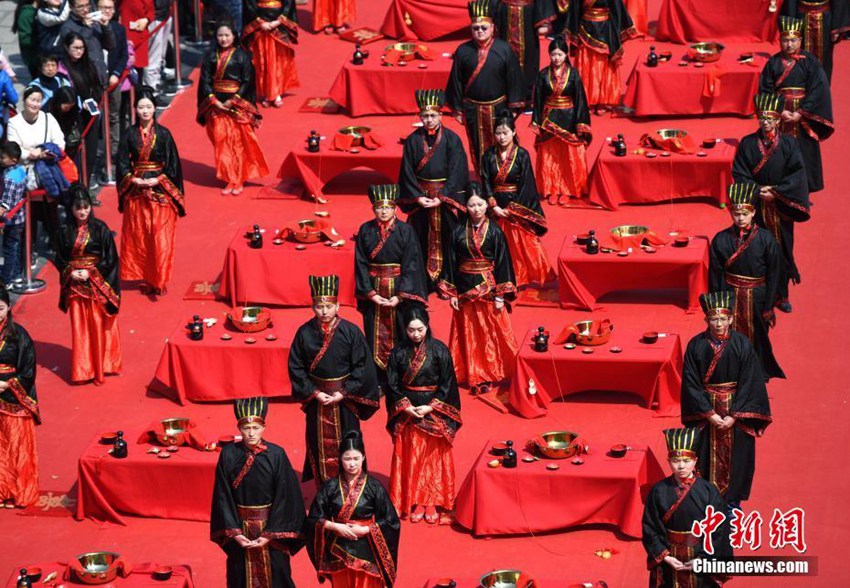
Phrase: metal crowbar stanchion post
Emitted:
{"points": [[107, 137], [30, 285]]}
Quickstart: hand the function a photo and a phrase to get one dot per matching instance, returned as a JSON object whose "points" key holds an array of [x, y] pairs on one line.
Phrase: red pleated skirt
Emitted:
{"points": [[531, 265], [238, 156], [482, 343], [274, 64], [561, 168], [348, 578], [147, 241], [601, 77], [18, 460], [333, 13], [422, 472], [95, 344]]}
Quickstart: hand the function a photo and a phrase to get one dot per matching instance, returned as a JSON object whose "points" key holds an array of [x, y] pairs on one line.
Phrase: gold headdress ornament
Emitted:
{"points": [[769, 104], [681, 442], [790, 27], [383, 194], [479, 11], [324, 288], [251, 410], [430, 100], [743, 196], [718, 303]]}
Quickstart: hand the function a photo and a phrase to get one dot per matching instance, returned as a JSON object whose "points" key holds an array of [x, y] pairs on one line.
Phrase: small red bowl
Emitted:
{"points": [[499, 448], [445, 583], [681, 241], [108, 438], [162, 572], [33, 574], [650, 337], [582, 239], [709, 142]]}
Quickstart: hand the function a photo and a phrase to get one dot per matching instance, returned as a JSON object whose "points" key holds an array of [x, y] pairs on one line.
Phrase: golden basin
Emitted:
{"points": [[504, 579], [705, 52], [98, 567], [357, 133], [174, 425], [408, 50], [629, 230], [309, 232], [672, 133], [558, 444]]}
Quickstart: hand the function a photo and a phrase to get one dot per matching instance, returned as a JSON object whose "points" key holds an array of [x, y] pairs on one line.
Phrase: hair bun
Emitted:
{"points": [[352, 435]]}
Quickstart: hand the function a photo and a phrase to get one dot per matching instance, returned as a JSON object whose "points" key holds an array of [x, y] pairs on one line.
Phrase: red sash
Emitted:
{"points": [[483, 52]]}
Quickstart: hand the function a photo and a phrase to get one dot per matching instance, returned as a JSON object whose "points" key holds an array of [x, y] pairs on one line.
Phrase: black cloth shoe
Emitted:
{"points": [[785, 306]]}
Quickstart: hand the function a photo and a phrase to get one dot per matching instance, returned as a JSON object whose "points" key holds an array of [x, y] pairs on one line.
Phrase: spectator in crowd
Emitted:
{"points": [[64, 107], [96, 34], [31, 129], [14, 191], [136, 16], [78, 61], [159, 36], [24, 26], [49, 19], [50, 79]]}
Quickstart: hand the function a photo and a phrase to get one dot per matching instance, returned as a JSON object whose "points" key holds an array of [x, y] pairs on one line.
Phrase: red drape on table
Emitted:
{"points": [[482, 343], [531, 265], [348, 578], [422, 471], [95, 344], [561, 168], [18, 460], [147, 241], [274, 64], [726, 21], [601, 77], [333, 13], [238, 156]]}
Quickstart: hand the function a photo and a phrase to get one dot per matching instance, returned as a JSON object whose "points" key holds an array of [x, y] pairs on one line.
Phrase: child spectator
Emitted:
{"points": [[14, 191]]}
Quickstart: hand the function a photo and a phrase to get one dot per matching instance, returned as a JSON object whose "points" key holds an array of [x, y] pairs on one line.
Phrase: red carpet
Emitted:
{"points": [[799, 463]]}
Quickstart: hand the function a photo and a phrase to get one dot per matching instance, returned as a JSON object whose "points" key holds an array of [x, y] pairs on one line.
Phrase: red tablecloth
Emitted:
{"points": [[724, 87], [373, 88], [217, 370], [653, 372], [141, 576], [425, 20], [317, 169], [637, 179], [539, 582], [729, 21], [531, 499], [144, 485], [583, 278], [278, 274]]}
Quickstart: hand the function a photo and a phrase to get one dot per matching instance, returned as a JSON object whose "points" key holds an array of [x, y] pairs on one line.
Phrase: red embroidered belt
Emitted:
{"points": [[364, 522], [814, 6], [226, 86], [475, 266], [682, 538], [146, 166], [384, 270], [330, 385], [596, 14], [254, 513], [269, 4], [737, 281], [793, 93], [5, 368], [505, 188], [431, 188], [498, 100], [84, 261], [559, 102], [421, 388]]}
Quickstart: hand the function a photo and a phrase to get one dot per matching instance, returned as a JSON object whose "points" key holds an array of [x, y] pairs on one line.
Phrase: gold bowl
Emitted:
{"points": [[705, 52], [173, 429], [250, 319], [308, 232], [629, 230], [357, 133], [98, 567], [559, 444], [503, 579], [408, 50], [672, 133], [591, 332]]}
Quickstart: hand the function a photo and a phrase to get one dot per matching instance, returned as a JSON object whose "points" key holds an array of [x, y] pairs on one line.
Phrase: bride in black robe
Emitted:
{"points": [[353, 529]]}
